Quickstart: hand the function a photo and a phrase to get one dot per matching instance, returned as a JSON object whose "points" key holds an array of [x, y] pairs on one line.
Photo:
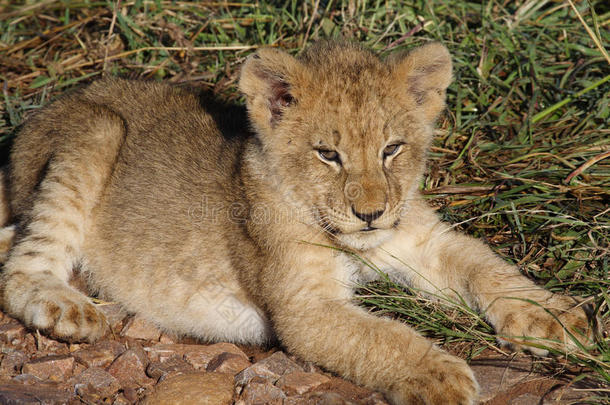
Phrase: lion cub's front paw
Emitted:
{"points": [[439, 378], [524, 325], [53, 307]]}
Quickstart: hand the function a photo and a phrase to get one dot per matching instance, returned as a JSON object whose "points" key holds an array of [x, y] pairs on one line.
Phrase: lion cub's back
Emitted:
{"points": [[156, 225], [164, 126]]}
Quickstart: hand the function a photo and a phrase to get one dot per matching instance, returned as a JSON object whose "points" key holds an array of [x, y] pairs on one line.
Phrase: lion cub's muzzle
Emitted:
{"points": [[367, 197]]}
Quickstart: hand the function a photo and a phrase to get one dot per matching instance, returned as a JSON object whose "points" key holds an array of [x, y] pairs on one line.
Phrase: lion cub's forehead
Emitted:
{"points": [[351, 92], [346, 70]]}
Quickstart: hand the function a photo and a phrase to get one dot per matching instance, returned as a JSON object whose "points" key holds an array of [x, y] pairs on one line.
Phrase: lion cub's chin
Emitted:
{"points": [[364, 240]]}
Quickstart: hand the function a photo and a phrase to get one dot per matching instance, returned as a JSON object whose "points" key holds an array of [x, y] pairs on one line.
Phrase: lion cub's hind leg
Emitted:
{"points": [[52, 228]]}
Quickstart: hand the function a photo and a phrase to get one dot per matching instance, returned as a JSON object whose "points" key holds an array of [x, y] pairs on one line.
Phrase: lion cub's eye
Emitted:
{"points": [[329, 155], [391, 149]]}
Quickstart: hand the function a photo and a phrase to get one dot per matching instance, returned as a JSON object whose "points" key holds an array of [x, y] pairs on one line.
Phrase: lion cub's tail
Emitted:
{"points": [[7, 233]]}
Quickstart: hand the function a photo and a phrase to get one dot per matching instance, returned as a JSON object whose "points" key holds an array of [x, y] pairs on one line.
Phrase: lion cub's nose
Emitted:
{"points": [[367, 217]]}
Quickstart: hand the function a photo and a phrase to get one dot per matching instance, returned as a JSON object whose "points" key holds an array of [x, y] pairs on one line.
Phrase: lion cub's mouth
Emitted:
{"points": [[334, 229]]}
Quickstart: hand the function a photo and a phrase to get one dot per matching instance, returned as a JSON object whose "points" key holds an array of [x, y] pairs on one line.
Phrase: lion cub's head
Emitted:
{"points": [[347, 132]]}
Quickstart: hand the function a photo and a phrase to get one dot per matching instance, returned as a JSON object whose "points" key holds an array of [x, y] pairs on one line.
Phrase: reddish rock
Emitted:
{"points": [[310, 367], [167, 339], [15, 393], [228, 363], [201, 357], [28, 344], [78, 368], [12, 333], [121, 400], [270, 368], [191, 389], [73, 347], [114, 313], [50, 346], [318, 398], [168, 368], [54, 368], [503, 378], [99, 355], [162, 352], [12, 362], [130, 394], [95, 384], [260, 391], [347, 390], [129, 368], [140, 328], [375, 398], [299, 382], [93, 358], [27, 379], [526, 399], [197, 355]]}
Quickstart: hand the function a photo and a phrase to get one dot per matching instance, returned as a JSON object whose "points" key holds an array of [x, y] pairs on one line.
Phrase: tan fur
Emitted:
{"points": [[5, 214], [227, 237]]}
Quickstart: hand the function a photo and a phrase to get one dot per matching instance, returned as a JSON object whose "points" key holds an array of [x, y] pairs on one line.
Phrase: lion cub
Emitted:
{"points": [[227, 237]]}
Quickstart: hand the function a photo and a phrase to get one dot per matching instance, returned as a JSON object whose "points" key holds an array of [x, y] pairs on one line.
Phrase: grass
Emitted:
{"points": [[520, 159]]}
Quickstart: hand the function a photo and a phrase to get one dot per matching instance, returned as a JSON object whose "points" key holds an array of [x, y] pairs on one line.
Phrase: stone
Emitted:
{"points": [[320, 398], [260, 391], [376, 398], [513, 380], [121, 400], [99, 355], [229, 363], [12, 361], [173, 366], [498, 374], [114, 313], [201, 357], [310, 367], [270, 368], [28, 343], [77, 346], [50, 346], [167, 338], [197, 355], [526, 399], [129, 368], [12, 333], [14, 393], [27, 379], [194, 388], [299, 382], [130, 394], [347, 390], [95, 385], [162, 352], [139, 328], [78, 368], [54, 368]]}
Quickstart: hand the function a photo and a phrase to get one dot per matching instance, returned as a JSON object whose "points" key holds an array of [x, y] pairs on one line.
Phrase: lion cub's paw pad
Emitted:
{"points": [[529, 326], [445, 379], [67, 315]]}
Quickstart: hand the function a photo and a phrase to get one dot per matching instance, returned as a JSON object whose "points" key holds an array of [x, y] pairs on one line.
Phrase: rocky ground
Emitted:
{"points": [[141, 364]]}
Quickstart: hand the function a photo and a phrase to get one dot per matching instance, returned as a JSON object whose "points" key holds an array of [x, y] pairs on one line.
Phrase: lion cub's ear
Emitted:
{"points": [[425, 72], [268, 79]]}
